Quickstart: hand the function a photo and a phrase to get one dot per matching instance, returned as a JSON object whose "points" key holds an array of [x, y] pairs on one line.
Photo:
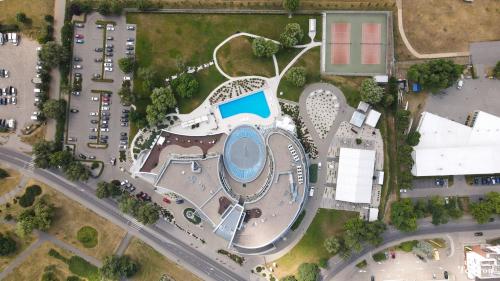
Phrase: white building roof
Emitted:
{"points": [[355, 175], [450, 148], [372, 118], [357, 119]]}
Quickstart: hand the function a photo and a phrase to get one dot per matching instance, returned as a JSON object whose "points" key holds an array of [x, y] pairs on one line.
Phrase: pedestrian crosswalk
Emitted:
{"points": [[29, 165], [135, 225]]}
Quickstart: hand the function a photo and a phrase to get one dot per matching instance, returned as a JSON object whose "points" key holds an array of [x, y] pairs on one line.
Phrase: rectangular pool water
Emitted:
{"points": [[253, 104]]}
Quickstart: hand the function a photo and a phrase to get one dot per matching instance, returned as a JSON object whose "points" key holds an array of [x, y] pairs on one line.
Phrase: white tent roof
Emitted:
{"points": [[373, 214], [372, 118], [355, 175], [450, 148]]}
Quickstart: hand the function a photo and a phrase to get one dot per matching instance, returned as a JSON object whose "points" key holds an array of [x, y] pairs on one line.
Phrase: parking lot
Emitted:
{"points": [[98, 100], [20, 61]]}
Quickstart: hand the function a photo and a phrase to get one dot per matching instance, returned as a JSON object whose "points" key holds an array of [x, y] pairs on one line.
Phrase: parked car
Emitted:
{"points": [[99, 50], [130, 39], [445, 275], [98, 59], [130, 27], [99, 26], [82, 156], [80, 25], [108, 69], [478, 234], [94, 121], [78, 36], [73, 110], [109, 38], [77, 66], [93, 113], [77, 59], [130, 48], [94, 98], [80, 41]]}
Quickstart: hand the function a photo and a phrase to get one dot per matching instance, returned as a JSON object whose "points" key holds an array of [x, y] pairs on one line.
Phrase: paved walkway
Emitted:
{"points": [[42, 238], [124, 244], [7, 197], [399, 4], [313, 203]]}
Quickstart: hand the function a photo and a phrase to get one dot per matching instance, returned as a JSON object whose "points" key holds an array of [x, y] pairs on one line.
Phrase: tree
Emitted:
{"points": [[127, 64], [21, 17], [127, 97], [264, 48], [116, 7], [496, 70], [420, 208], [54, 109], [104, 8], [77, 171], [403, 215], [371, 92], [41, 152], [358, 231], [49, 19], [7, 245], [435, 75], [148, 213], [118, 267], [143, 5], [150, 78], [138, 118], [413, 138], [3, 174], [296, 76], [185, 86], [291, 5], [292, 35], [102, 190], [39, 217], [332, 245], [52, 54], [61, 159], [129, 205], [162, 100], [289, 278], [308, 272], [481, 212]]}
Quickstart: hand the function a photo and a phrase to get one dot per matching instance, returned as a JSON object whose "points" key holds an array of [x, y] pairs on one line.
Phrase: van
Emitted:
{"points": [[311, 191], [37, 90], [460, 84]]}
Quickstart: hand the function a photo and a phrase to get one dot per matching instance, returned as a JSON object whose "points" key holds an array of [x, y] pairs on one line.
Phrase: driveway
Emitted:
{"points": [[79, 123]]}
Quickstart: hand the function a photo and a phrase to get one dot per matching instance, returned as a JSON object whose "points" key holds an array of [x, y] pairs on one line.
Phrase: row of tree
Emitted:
{"points": [[39, 217], [404, 213], [46, 155], [291, 36], [144, 212], [485, 209], [435, 75]]}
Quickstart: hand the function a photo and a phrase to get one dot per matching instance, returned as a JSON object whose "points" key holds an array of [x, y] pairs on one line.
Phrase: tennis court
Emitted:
{"points": [[355, 43]]}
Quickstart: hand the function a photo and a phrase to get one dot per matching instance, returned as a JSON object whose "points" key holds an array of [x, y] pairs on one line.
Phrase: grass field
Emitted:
{"points": [[33, 267], [163, 38], [22, 243], [9, 183], [154, 265], [310, 248], [34, 10], [70, 217], [309, 60], [349, 85], [455, 23]]}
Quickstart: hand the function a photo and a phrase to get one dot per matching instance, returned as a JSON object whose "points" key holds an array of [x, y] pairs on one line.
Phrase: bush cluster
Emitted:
{"points": [[29, 196]]}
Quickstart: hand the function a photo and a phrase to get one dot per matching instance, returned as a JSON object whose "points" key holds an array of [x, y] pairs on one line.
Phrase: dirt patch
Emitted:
{"points": [[449, 26], [37, 134], [416, 104]]}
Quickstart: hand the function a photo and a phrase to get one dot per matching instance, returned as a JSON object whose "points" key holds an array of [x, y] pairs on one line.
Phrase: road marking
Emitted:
{"points": [[134, 225]]}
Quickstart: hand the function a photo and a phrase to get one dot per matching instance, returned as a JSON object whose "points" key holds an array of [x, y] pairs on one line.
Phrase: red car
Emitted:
{"points": [[78, 36], [166, 200]]}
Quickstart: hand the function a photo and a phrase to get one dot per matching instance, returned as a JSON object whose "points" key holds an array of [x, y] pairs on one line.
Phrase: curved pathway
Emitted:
{"points": [[399, 4]]}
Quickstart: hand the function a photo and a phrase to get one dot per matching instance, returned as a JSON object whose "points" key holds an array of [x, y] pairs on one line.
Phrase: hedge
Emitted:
{"points": [[313, 173]]}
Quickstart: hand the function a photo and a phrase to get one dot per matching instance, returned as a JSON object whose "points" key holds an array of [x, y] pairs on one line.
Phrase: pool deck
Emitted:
{"points": [[216, 124]]}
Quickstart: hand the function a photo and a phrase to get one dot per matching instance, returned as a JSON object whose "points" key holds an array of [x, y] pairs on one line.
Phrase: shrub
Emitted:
{"points": [[296, 76], [362, 264], [308, 272], [359, 141], [55, 254], [73, 278], [83, 268], [323, 263], [28, 198], [380, 256], [7, 245], [94, 165], [264, 48], [87, 236], [3, 173], [408, 246]]}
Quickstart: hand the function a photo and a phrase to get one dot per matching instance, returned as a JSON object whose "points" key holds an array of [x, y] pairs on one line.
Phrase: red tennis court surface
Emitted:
{"points": [[371, 36], [341, 43]]}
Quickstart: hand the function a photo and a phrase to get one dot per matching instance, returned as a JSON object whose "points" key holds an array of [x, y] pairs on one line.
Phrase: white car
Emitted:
{"points": [[94, 99], [109, 69], [108, 60], [460, 84], [108, 64], [104, 129], [77, 66], [105, 108], [14, 100], [93, 113], [130, 43], [93, 129], [110, 27], [126, 78], [105, 122], [311, 191]]}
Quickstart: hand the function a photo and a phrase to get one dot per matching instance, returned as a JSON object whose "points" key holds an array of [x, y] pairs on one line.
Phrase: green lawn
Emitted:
{"points": [[349, 85], [162, 38], [310, 248], [34, 10], [311, 61]]}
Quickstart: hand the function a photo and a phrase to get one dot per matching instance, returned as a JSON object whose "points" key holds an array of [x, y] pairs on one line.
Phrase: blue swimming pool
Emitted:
{"points": [[253, 104]]}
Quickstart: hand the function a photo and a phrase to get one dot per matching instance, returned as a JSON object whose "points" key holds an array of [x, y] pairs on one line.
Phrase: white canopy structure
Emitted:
{"points": [[372, 118], [450, 148], [355, 175]]}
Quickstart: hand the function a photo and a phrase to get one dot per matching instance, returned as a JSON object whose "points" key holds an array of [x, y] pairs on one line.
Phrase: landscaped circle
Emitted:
{"points": [[244, 154], [87, 235], [191, 216]]}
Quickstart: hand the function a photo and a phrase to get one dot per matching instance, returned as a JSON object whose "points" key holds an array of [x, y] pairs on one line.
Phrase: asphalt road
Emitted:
{"points": [[162, 241], [393, 235]]}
